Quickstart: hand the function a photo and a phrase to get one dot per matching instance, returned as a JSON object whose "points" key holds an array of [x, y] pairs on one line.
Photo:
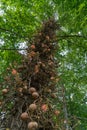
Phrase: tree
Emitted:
{"points": [[31, 88], [19, 21]]}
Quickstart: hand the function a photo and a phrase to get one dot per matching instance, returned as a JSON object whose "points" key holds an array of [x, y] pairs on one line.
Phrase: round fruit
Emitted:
{"points": [[56, 112], [48, 38], [33, 107], [25, 87], [36, 69], [5, 91], [32, 89], [32, 125], [44, 107], [32, 46], [24, 116], [48, 49], [14, 72], [32, 53], [53, 95], [49, 90], [50, 63], [20, 90], [52, 78], [35, 95]]}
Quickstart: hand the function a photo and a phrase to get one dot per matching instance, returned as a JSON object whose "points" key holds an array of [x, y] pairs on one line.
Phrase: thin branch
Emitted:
{"points": [[65, 36], [73, 36], [11, 49], [61, 37]]}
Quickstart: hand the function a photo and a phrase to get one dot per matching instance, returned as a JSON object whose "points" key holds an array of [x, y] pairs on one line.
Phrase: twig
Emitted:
{"points": [[72, 36], [61, 36], [12, 49]]}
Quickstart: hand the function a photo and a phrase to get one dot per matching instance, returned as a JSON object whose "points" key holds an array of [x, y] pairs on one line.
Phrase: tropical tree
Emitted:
{"points": [[19, 22]]}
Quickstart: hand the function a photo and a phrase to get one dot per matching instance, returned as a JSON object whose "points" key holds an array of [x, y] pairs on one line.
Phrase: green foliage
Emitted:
{"points": [[73, 15], [20, 19]]}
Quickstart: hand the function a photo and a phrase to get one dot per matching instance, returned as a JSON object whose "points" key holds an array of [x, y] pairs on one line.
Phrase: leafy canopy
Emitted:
{"points": [[20, 19]]}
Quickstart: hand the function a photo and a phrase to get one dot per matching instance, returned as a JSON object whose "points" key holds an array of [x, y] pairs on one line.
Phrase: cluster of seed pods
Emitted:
{"points": [[34, 84]]}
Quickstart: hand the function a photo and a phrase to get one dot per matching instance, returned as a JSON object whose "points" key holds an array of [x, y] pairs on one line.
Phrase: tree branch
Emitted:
{"points": [[11, 49], [61, 36], [73, 36]]}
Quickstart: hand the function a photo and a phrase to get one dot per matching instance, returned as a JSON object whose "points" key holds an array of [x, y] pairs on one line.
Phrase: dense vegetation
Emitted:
{"points": [[21, 20]]}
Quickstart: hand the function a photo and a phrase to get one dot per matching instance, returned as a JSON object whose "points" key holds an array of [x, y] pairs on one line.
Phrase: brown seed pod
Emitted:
{"points": [[20, 90], [52, 78], [50, 63], [32, 53], [31, 90], [43, 65], [35, 95], [49, 90], [24, 116], [33, 107], [53, 95], [56, 112], [14, 72], [33, 125], [5, 91], [32, 46], [36, 70], [25, 87], [44, 107], [48, 38], [48, 49]]}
